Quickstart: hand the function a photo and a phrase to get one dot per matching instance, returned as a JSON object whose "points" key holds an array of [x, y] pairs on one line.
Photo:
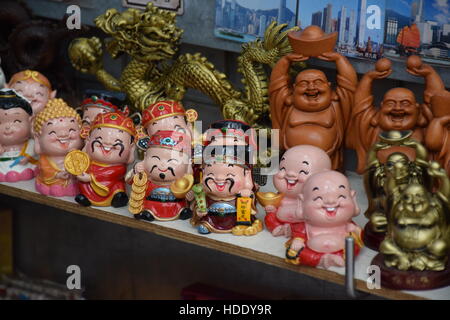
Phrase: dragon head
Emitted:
{"points": [[149, 35]]}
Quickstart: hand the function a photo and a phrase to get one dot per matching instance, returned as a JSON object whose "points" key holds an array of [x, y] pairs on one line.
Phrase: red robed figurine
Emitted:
{"points": [[110, 147]]}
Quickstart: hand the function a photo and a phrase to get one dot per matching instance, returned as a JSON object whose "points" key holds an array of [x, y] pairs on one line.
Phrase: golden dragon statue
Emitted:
{"points": [[151, 38]]}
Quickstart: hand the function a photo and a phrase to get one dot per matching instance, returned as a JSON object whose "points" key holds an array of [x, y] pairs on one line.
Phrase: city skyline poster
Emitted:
{"points": [[359, 24], [418, 27], [246, 20]]}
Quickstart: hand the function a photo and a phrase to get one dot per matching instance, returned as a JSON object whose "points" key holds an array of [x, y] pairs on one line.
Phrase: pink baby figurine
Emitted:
{"points": [[296, 166], [329, 204], [57, 132], [34, 86], [17, 157]]}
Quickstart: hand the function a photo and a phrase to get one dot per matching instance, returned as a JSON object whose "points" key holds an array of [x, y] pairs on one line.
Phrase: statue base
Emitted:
{"points": [[371, 238], [411, 280]]}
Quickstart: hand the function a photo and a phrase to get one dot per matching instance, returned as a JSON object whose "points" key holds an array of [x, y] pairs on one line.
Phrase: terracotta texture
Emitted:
{"points": [[310, 111], [398, 111]]}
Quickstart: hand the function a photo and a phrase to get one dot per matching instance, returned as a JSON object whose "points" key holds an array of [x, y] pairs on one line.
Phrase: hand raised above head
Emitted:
{"points": [[298, 57], [330, 56], [374, 74]]}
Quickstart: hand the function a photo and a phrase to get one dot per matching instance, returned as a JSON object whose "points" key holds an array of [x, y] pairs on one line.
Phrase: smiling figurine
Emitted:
{"points": [[329, 204], [17, 157], [297, 164], [224, 199], [34, 86], [109, 148], [399, 110], [161, 193], [57, 132]]}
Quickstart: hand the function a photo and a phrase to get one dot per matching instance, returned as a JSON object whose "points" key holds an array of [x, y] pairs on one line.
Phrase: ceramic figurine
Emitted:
{"points": [[414, 253], [34, 86], [162, 181], [310, 111], [56, 133], [399, 110], [296, 165], [168, 115], [101, 166], [437, 138], [17, 156], [101, 101], [230, 132], [329, 204], [224, 200], [396, 173]]}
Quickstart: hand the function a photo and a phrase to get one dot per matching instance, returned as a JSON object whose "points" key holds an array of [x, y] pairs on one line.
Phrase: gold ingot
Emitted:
{"points": [[395, 137], [76, 162], [269, 198], [181, 187]]}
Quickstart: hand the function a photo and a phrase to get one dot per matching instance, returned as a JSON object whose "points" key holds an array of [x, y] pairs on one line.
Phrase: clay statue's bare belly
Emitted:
{"points": [[315, 135], [327, 242]]}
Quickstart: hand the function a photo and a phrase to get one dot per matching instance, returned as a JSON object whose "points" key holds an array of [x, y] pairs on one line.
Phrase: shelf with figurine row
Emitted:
{"points": [[262, 247]]}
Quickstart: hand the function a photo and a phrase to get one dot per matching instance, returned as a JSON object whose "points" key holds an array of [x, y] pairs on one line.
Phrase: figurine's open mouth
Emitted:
{"points": [[291, 183], [397, 116], [64, 143], [8, 133], [106, 150], [330, 211], [220, 186], [312, 94]]}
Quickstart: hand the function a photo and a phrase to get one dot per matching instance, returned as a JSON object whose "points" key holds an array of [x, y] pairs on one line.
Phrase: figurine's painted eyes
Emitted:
{"points": [[180, 129], [173, 160], [283, 169], [317, 198], [51, 133], [342, 196], [39, 94], [72, 130], [17, 121], [304, 172], [232, 175]]}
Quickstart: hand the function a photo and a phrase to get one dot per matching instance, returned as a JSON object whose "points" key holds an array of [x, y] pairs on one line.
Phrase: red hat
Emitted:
{"points": [[114, 120], [170, 140], [164, 109], [99, 103]]}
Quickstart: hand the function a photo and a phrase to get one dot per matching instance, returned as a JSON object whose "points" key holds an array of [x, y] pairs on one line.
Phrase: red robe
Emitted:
{"points": [[308, 256], [109, 176], [163, 210]]}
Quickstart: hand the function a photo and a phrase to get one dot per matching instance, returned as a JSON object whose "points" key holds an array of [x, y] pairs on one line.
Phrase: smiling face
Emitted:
{"points": [[397, 167], [328, 200], [110, 146], [37, 94], [15, 127], [416, 200], [59, 136], [399, 110], [175, 123], [225, 180], [312, 91], [296, 165], [164, 165]]}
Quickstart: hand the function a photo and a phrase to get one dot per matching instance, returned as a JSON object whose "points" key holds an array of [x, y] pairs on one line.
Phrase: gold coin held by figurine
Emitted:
{"points": [[140, 179], [76, 162]]}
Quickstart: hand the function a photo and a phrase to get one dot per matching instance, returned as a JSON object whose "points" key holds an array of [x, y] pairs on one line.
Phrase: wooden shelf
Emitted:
{"points": [[263, 247]]}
